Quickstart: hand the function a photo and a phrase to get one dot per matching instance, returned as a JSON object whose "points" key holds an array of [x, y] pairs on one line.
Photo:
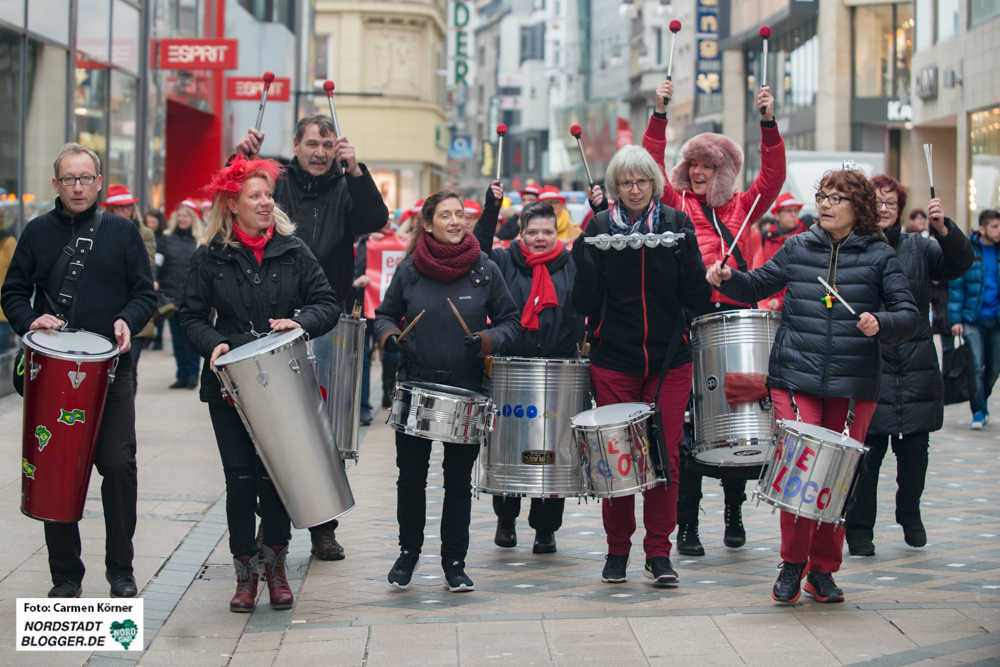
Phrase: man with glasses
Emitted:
{"points": [[974, 310], [114, 297]]}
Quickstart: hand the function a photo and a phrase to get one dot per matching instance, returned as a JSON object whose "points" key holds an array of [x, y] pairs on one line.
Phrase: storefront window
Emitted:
{"points": [[925, 23], [883, 46], [793, 71], [49, 18], [947, 19], [12, 11], [93, 31], [44, 123], [981, 11], [121, 168], [90, 108], [125, 37], [10, 107], [984, 145]]}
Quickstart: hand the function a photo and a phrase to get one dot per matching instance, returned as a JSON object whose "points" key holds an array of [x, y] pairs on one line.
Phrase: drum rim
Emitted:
{"points": [[840, 443], [263, 352], [70, 356], [541, 361], [420, 384], [574, 425], [753, 313]]}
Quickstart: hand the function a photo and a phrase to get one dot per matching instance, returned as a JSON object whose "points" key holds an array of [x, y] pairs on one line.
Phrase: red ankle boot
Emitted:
{"points": [[246, 585], [277, 580]]}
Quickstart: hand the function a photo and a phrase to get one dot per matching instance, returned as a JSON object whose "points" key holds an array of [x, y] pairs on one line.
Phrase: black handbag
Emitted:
{"points": [[958, 368]]}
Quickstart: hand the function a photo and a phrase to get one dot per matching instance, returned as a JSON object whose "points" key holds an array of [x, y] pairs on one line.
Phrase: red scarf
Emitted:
{"points": [[445, 263], [543, 293], [255, 243]]}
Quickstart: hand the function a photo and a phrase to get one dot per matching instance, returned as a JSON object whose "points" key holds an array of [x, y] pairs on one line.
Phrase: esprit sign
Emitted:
{"points": [[250, 89], [198, 54]]}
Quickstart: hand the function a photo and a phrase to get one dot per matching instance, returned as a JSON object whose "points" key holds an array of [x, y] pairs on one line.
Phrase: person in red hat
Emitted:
{"points": [[473, 210], [121, 202], [530, 194], [773, 236], [567, 231]]}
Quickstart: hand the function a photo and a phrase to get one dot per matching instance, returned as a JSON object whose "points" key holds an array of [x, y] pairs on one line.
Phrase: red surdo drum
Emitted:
{"points": [[66, 378]]}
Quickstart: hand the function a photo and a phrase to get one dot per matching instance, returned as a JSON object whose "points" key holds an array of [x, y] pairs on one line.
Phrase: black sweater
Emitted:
{"points": [[116, 282]]}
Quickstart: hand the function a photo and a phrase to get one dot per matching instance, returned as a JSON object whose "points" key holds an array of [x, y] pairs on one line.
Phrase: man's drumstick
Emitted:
{"points": [[460, 320], [411, 325]]}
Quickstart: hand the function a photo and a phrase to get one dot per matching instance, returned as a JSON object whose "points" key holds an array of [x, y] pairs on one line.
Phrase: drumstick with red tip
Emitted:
{"points": [[577, 131], [328, 87], [501, 131], [765, 33], [740, 233], [675, 27], [268, 78]]}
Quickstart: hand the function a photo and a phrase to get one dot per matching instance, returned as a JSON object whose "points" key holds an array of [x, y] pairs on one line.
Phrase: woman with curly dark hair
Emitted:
{"points": [[823, 357]]}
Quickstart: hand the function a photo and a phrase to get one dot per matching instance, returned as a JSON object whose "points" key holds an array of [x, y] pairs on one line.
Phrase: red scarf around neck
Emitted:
{"points": [[543, 293], [445, 263], [255, 243]]}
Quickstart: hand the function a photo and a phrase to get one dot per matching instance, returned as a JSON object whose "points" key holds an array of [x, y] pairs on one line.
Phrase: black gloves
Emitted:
{"points": [[490, 200], [581, 255], [474, 343], [393, 345]]}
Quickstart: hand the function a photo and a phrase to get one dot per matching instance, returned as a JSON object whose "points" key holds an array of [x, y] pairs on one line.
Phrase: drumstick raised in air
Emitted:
{"points": [[460, 320], [740, 233], [834, 293], [411, 325]]}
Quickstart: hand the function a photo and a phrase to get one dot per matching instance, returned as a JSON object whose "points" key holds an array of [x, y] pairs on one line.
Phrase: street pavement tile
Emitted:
{"points": [[430, 601], [954, 564], [974, 586], [416, 658], [712, 583], [885, 578], [518, 564], [624, 595], [524, 586]]}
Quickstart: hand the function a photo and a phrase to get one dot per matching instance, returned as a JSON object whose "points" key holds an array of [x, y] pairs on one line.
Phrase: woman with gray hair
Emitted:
{"points": [[634, 301]]}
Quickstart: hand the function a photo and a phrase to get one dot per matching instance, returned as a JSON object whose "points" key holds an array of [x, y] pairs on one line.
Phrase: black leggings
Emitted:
{"points": [[246, 483], [545, 515], [689, 493], [413, 460]]}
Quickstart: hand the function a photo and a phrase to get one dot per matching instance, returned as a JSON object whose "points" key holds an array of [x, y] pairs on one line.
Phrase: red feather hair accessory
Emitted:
{"points": [[230, 179]]}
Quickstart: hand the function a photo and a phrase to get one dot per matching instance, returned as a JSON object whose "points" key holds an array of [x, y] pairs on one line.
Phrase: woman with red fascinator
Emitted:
{"points": [[257, 276]]}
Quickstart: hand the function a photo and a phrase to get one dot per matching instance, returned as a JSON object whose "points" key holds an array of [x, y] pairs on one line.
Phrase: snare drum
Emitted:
{"points": [[531, 451], [273, 385], [616, 449], [812, 472], [66, 380], [441, 412]]}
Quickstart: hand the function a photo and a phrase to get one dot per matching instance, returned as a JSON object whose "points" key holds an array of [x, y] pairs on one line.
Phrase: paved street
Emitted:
{"points": [[935, 606]]}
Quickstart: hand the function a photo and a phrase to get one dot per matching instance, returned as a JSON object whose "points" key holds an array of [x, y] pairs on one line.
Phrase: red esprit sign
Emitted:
{"points": [[250, 88], [198, 53]]}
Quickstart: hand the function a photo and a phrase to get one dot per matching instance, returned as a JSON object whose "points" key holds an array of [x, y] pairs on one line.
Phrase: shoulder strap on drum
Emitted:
{"points": [[725, 235], [74, 257], [287, 285]]}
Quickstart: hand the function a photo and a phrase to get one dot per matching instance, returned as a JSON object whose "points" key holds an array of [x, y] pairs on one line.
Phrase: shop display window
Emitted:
{"points": [[44, 123], [984, 147], [121, 167]]}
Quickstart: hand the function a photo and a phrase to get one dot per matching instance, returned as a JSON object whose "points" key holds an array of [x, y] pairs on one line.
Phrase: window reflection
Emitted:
{"points": [[984, 144], [121, 167], [883, 46], [793, 71], [90, 108], [44, 123], [10, 104]]}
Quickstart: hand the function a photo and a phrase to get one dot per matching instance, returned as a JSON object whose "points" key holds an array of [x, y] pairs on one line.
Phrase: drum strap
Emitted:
{"points": [[415, 372], [848, 423], [74, 257], [725, 235]]}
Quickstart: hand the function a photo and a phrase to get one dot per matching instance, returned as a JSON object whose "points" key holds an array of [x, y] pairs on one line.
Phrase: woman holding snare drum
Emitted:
{"points": [[823, 357]]}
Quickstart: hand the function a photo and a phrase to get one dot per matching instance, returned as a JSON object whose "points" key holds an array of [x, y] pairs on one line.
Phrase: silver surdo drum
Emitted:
{"points": [[531, 451], [339, 365], [441, 412], [738, 341], [273, 386], [616, 449], [812, 473]]}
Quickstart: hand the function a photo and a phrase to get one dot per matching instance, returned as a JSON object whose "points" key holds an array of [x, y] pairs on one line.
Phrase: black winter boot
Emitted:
{"points": [[506, 536], [688, 542], [735, 536]]}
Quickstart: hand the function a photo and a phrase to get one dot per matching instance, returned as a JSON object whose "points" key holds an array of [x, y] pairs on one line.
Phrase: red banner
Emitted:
{"points": [[384, 255], [198, 53], [242, 88]]}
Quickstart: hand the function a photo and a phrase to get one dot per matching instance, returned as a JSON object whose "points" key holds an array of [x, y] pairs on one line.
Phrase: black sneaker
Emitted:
{"points": [[660, 571], [688, 543], [821, 586], [403, 569], [915, 535], [192, 383], [387, 399], [122, 586], [545, 543], [506, 536], [66, 589], [860, 546], [615, 569], [458, 580], [179, 384], [788, 586]]}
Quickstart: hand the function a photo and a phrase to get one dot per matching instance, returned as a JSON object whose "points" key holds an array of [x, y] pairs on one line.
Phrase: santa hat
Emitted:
{"points": [[206, 204], [785, 199], [551, 193], [191, 204], [412, 212], [531, 190], [472, 208], [118, 195], [717, 150]]}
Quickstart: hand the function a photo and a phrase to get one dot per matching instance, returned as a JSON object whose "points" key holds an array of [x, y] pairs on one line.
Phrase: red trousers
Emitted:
{"points": [[659, 510], [805, 539]]}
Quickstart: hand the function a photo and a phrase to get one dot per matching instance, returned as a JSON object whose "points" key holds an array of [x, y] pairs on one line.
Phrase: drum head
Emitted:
{"points": [[618, 413], [818, 433], [443, 389], [67, 344], [260, 346], [757, 313]]}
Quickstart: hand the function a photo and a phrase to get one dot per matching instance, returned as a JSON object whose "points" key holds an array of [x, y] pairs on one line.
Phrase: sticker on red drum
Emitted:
{"points": [[43, 436], [70, 417], [27, 469]]}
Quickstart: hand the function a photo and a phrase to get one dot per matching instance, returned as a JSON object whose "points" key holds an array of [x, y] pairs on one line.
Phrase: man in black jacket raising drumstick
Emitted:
{"points": [[330, 206]]}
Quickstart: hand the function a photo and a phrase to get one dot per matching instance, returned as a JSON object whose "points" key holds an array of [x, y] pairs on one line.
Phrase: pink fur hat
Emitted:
{"points": [[714, 149]]}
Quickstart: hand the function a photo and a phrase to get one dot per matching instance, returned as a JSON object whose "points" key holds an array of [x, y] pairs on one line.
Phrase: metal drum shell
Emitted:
{"points": [[58, 457], [339, 366], [833, 465], [623, 441], [441, 412], [288, 424], [736, 341], [531, 451]]}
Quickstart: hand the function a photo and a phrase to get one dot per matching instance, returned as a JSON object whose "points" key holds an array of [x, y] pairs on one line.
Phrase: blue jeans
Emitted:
{"points": [[366, 373], [188, 361], [984, 338]]}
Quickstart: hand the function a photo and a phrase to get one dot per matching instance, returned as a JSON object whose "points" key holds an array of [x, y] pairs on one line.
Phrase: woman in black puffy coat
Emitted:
{"points": [[177, 247], [824, 358], [550, 329], [911, 404]]}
